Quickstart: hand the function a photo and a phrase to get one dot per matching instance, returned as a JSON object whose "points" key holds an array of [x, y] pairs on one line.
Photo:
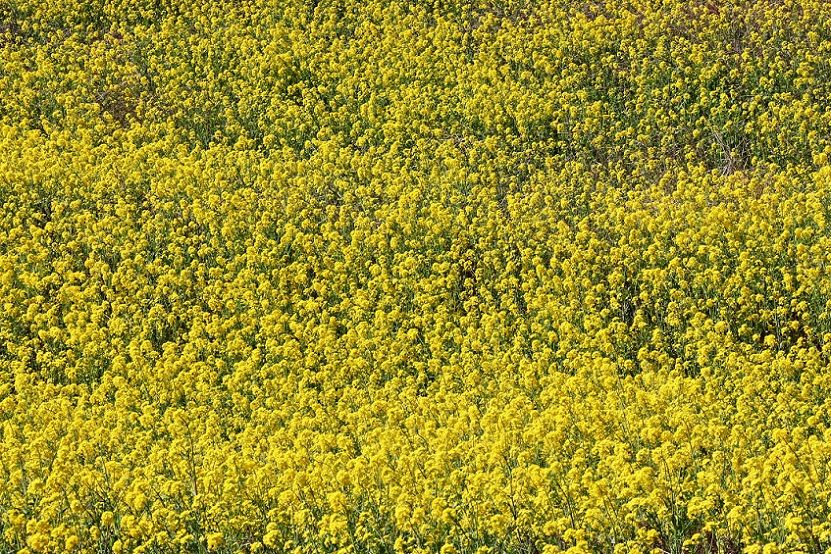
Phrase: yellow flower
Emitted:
{"points": [[215, 541], [107, 519]]}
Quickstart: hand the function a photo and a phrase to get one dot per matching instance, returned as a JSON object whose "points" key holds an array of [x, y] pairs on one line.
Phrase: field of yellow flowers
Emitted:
{"points": [[411, 276]]}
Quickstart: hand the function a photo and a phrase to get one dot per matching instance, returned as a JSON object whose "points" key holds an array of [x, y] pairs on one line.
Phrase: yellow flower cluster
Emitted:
{"points": [[454, 276]]}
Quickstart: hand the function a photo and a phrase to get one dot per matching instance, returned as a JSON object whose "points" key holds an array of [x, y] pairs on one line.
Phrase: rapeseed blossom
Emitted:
{"points": [[388, 276]]}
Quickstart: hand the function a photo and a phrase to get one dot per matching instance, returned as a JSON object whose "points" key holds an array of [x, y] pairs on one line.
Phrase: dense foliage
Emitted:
{"points": [[505, 276]]}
